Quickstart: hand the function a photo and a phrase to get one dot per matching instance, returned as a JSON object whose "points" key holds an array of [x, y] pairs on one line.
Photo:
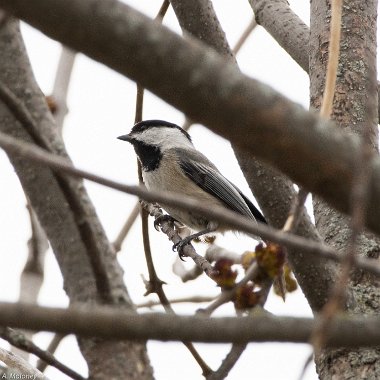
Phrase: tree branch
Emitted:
{"points": [[111, 323]]}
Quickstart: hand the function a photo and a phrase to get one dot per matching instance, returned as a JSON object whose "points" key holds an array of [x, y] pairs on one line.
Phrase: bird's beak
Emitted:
{"points": [[126, 137]]}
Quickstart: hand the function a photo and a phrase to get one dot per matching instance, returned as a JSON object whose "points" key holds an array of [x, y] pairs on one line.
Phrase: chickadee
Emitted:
{"points": [[170, 162]]}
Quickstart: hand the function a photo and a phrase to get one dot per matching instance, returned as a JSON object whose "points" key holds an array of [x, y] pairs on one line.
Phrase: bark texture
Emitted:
{"points": [[355, 110], [66, 213]]}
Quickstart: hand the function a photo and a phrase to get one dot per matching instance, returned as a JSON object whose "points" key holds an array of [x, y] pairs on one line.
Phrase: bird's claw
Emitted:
{"points": [[180, 246], [163, 218]]}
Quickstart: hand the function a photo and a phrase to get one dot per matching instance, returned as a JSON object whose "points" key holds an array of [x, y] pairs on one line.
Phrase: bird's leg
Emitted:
{"points": [[188, 239]]}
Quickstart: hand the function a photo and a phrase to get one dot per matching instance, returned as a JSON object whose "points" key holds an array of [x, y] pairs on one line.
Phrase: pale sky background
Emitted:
{"points": [[101, 104]]}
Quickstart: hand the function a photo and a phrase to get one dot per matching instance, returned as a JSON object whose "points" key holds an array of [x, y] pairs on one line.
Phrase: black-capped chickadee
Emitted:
{"points": [[170, 162]]}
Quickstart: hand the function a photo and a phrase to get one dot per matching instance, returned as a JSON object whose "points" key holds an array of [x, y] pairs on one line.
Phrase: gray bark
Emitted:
{"points": [[355, 110]]}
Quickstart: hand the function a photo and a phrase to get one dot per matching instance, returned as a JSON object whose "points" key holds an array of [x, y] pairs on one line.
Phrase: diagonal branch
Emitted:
{"points": [[228, 218]]}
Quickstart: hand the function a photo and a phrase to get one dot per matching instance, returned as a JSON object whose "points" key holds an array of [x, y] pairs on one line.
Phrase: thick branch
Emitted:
{"points": [[115, 324]]}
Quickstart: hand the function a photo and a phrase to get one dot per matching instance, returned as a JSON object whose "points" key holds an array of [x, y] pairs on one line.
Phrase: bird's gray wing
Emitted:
{"points": [[200, 170]]}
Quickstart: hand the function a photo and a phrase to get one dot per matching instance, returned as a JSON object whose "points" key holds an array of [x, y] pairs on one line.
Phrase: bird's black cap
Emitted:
{"points": [[147, 124]]}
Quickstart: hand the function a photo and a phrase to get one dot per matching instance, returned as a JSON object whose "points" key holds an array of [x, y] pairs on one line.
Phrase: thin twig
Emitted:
{"points": [[162, 12], [126, 228], [19, 340], [52, 347], [139, 103], [155, 285], [333, 60], [138, 117], [61, 85], [295, 211], [244, 36], [191, 299], [229, 361]]}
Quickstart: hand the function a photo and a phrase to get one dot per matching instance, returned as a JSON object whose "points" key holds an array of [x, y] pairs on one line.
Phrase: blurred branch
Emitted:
{"points": [[19, 340], [183, 273], [229, 361], [295, 211], [61, 85], [113, 323], [32, 276], [126, 228], [52, 347], [191, 299], [228, 217], [244, 36]]}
